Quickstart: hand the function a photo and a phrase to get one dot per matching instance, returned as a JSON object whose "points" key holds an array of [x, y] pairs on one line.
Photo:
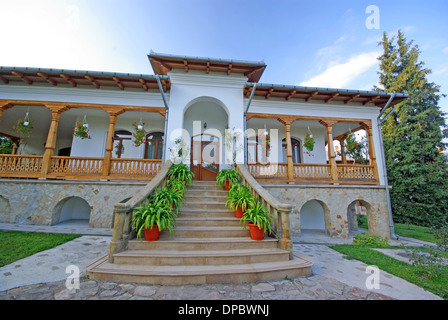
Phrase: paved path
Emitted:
{"points": [[43, 277]]}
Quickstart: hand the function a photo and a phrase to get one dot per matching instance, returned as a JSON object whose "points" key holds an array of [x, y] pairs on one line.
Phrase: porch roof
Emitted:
{"points": [[163, 63], [97, 79], [322, 94]]}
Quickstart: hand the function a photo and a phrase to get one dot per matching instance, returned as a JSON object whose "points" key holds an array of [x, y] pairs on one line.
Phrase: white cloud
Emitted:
{"points": [[339, 75]]}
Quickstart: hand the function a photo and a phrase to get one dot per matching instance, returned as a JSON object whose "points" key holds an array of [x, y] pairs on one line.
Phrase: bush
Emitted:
{"points": [[371, 240]]}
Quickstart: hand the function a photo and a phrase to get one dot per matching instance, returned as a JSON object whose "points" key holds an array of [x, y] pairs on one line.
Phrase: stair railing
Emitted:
{"points": [[122, 231], [279, 211]]}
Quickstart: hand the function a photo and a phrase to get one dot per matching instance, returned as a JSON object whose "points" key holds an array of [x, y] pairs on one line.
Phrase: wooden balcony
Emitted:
{"points": [[314, 173], [25, 166]]}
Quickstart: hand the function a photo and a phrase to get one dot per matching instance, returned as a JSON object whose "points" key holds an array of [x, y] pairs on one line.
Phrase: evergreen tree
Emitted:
{"points": [[413, 136]]}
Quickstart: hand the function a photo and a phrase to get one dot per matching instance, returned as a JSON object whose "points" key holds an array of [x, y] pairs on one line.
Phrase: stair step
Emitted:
{"points": [[101, 269], [208, 222], [208, 192], [199, 212], [211, 187], [200, 257], [206, 232], [209, 205], [205, 197], [203, 244]]}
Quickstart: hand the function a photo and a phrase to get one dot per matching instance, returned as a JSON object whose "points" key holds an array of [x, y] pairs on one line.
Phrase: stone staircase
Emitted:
{"points": [[209, 245]]}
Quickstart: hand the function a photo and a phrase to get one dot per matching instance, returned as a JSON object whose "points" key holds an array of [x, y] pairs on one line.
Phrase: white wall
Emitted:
{"points": [[312, 216]]}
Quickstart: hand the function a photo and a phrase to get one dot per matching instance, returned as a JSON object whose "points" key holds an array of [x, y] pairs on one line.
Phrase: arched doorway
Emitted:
{"points": [[204, 161], [359, 216], [314, 217]]}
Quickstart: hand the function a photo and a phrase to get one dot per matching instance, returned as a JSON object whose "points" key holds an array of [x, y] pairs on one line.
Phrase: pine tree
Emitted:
{"points": [[413, 136]]}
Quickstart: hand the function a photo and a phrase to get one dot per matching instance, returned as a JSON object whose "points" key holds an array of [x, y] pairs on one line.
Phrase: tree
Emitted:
{"points": [[6, 145], [413, 136]]}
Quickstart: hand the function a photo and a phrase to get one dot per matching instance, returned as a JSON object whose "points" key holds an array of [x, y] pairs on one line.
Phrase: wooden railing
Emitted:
{"points": [[313, 172], [72, 167], [26, 166], [356, 173], [20, 166], [268, 170], [134, 168], [279, 211], [122, 231]]}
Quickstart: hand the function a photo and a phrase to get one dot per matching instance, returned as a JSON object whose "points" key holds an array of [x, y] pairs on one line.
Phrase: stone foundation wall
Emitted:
{"points": [[337, 202], [40, 201]]}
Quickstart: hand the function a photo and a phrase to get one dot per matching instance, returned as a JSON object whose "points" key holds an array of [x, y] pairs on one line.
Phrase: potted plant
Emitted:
{"points": [[239, 199], [152, 218], [227, 177], [309, 144], [24, 126], [180, 171], [81, 130], [169, 197], [178, 186], [139, 133], [258, 219]]}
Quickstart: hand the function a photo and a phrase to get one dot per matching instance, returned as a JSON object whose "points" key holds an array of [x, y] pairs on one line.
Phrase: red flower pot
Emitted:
{"points": [[239, 212], [255, 232], [227, 185], [152, 234]]}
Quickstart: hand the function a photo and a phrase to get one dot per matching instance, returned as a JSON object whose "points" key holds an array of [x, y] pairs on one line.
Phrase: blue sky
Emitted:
{"points": [[315, 43]]}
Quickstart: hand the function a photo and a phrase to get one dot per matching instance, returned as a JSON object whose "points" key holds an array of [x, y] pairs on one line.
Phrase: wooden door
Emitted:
{"points": [[205, 157]]}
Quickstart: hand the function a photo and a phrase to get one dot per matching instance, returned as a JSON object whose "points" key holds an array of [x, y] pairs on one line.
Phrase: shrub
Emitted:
{"points": [[371, 240]]}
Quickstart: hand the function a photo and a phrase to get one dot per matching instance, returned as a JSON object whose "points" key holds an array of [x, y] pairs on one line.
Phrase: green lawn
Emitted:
{"points": [[437, 285], [15, 245]]}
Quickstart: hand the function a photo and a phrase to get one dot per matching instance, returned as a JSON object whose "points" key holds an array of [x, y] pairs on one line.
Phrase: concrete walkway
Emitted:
{"points": [[43, 276]]}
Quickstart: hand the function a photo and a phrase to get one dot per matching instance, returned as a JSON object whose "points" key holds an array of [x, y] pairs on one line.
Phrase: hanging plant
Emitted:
{"points": [[81, 130], [354, 148], [309, 144], [264, 139], [139, 133], [24, 126]]}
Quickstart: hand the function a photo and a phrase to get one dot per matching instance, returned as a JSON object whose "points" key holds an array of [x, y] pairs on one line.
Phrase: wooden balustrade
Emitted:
{"points": [[134, 168], [20, 166], [26, 166], [76, 167], [314, 172], [356, 173], [279, 211], [268, 170]]}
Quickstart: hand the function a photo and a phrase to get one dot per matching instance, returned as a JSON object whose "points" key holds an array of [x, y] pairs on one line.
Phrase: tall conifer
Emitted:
{"points": [[413, 136]]}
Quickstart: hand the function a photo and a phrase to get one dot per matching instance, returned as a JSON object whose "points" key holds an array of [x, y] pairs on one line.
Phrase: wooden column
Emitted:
{"points": [[113, 114], [372, 156], [343, 155], [331, 155], [56, 111], [287, 123]]}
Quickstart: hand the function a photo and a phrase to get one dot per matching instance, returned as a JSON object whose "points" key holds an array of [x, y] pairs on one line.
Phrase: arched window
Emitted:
{"points": [[119, 137], [296, 156], [154, 145]]}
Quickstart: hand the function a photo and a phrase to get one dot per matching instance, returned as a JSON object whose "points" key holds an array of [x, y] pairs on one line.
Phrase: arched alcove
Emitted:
{"points": [[75, 210], [314, 217], [360, 216], [5, 210]]}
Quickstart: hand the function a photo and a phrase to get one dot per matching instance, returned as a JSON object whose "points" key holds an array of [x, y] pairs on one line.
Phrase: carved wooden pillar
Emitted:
{"points": [[56, 111], [287, 123], [372, 156], [113, 114], [343, 155], [331, 155]]}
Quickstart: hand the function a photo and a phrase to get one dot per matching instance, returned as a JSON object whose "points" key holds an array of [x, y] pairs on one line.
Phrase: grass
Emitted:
{"points": [[437, 284], [15, 245]]}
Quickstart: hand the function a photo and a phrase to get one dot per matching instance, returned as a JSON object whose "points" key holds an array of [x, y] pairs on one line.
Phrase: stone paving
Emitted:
{"points": [[42, 277]]}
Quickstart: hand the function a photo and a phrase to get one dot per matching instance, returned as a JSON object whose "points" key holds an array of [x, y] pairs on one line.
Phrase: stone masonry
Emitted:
{"points": [[337, 202], [40, 201]]}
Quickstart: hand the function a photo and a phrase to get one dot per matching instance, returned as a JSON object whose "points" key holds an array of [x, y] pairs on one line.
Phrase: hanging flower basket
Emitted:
{"points": [[81, 130], [309, 144], [264, 140], [24, 126], [139, 133]]}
